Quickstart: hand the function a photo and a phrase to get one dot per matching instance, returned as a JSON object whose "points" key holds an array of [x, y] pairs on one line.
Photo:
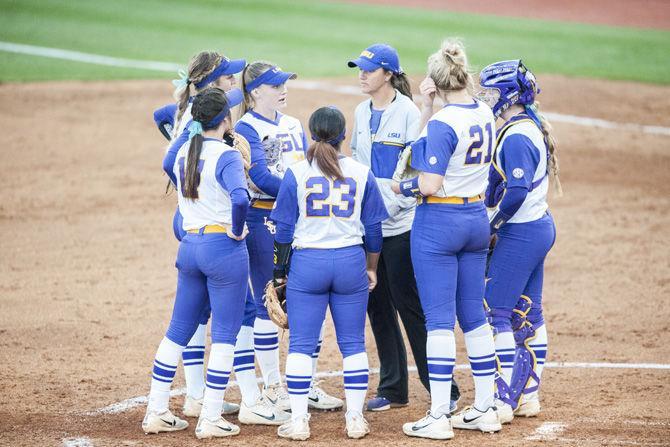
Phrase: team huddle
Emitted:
{"points": [[436, 217]]}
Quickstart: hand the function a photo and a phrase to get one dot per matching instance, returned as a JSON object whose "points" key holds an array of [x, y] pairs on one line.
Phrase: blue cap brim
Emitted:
{"points": [[234, 97], [280, 78], [235, 66], [364, 64]]}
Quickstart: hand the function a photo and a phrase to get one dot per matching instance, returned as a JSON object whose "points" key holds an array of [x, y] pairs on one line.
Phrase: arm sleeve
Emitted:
{"points": [[285, 212], [520, 159], [259, 172], [171, 155], [164, 119], [372, 208], [434, 155], [373, 238], [230, 175]]}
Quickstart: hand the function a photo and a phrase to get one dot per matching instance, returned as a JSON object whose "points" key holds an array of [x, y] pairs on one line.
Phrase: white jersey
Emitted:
{"points": [[329, 211], [535, 204], [185, 119], [281, 142], [460, 147], [398, 127], [213, 205]]}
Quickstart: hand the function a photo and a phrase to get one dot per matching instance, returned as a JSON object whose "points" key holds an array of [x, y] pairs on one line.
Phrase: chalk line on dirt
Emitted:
{"points": [[77, 442], [77, 56], [128, 404], [548, 431]]}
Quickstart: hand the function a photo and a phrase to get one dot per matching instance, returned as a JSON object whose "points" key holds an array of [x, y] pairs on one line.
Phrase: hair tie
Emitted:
{"points": [[183, 80], [333, 141], [195, 128]]}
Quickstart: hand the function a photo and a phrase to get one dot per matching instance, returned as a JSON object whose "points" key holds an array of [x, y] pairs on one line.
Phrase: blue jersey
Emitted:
{"points": [[329, 213]]}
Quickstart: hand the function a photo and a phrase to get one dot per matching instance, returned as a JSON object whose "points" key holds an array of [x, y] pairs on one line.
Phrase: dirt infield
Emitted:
{"points": [[636, 13], [88, 270]]}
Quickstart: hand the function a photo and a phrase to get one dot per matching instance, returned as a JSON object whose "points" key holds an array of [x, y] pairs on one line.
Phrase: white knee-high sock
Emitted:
{"points": [[482, 356], [441, 354], [315, 354], [356, 373], [165, 367], [505, 346], [298, 378], [266, 345], [539, 347], [194, 363], [244, 366], [218, 372]]}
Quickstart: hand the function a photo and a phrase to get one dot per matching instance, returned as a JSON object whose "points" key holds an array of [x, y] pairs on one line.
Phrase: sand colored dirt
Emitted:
{"points": [[88, 270]]}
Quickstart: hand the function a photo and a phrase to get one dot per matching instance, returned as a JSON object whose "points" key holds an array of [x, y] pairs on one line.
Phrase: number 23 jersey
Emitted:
{"points": [[329, 213], [457, 143]]}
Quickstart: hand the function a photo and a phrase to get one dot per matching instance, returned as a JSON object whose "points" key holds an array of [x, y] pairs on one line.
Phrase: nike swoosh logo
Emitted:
{"points": [[314, 399], [265, 417], [467, 421], [224, 428], [271, 401], [419, 427], [170, 423]]}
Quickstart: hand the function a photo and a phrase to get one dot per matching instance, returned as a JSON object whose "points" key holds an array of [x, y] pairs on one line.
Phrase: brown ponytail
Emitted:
{"points": [[400, 82], [552, 164], [327, 126]]}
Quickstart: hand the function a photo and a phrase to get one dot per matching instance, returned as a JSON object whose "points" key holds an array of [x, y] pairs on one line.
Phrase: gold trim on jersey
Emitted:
{"points": [[207, 229], [263, 204], [452, 200]]}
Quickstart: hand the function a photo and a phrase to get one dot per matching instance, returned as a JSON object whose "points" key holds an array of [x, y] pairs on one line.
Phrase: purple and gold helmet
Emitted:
{"points": [[506, 83]]}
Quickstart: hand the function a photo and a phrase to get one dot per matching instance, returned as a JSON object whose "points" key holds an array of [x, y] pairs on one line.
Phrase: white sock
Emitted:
{"points": [[298, 378], [194, 363], [218, 372], [165, 367], [266, 345], [505, 346], [482, 355], [539, 347], [441, 354], [244, 366], [356, 373], [315, 354]]}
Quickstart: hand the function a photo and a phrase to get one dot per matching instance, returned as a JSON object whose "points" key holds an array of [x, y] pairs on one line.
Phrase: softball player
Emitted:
{"points": [[212, 263], [277, 141], [384, 124], [211, 69], [326, 204], [524, 157], [450, 237]]}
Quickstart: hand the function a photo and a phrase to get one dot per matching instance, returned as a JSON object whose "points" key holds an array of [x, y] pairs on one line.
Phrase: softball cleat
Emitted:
{"points": [[430, 427], [505, 412], [473, 419], [296, 429], [529, 406], [262, 413], [357, 426], [318, 399], [193, 406], [278, 396], [219, 428], [166, 421]]}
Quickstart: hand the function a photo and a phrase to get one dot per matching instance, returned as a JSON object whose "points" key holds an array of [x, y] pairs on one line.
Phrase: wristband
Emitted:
{"points": [[410, 188], [498, 220]]}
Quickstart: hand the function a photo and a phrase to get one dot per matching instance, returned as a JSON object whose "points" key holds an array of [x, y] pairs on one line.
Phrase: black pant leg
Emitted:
{"points": [[393, 380]]}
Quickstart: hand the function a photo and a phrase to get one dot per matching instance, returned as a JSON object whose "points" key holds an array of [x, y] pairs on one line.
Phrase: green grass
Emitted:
{"points": [[313, 39]]}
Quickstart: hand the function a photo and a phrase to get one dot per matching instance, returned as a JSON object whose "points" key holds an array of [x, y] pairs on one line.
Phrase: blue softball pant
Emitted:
{"points": [[211, 268], [517, 268], [249, 305], [322, 278], [449, 243], [260, 243]]}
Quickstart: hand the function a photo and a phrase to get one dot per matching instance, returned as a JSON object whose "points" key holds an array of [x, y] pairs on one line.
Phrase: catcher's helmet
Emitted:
{"points": [[507, 83]]}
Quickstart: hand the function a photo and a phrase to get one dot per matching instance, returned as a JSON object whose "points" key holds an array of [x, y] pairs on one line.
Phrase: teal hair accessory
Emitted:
{"points": [[195, 128], [182, 81]]}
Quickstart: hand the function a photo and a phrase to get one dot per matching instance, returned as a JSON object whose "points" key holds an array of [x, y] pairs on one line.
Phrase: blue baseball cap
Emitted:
{"points": [[225, 68], [378, 56], [234, 97], [273, 76]]}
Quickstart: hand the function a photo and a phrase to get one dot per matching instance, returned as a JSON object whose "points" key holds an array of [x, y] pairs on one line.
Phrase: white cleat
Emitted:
{"points": [[278, 396], [262, 413], [473, 419], [357, 426], [529, 406], [215, 429], [320, 400], [430, 427], [166, 421], [296, 429], [192, 407], [505, 412]]}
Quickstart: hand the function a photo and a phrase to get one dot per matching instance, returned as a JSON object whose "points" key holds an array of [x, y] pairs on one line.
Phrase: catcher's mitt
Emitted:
{"points": [[403, 169], [274, 300], [242, 145]]}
